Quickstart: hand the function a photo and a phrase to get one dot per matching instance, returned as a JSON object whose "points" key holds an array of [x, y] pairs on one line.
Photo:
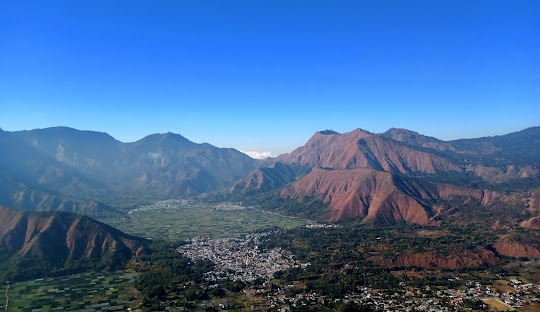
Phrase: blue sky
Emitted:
{"points": [[265, 75]]}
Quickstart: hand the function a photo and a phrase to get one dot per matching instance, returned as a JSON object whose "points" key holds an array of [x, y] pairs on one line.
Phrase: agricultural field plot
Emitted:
{"points": [[2, 298], [502, 286], [497, 305], [190, 221], [534, 307], [79, 292]]}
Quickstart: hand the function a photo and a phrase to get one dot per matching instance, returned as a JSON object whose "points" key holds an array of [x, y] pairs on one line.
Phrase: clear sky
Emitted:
{"points": [[265, 75]]}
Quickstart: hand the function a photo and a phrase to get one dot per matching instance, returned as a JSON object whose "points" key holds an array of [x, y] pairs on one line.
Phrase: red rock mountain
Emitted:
{"points": [[514, 249], [361, 174], [359, 181], [361, 192], [467, 259], [60, 239], [383, 198], [361, 149]]}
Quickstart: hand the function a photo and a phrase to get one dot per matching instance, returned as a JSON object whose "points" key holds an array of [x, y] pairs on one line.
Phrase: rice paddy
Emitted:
{"points": [[188, 221], [80, 292]]}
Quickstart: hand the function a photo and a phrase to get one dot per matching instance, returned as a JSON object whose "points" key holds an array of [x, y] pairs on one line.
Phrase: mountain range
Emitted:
{"points": [[402, 176], [75, 167], [381, 178]]}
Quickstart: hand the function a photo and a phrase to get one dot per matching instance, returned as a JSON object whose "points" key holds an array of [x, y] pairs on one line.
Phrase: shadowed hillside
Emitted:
{"points": [[37, 243], [86, 165]]}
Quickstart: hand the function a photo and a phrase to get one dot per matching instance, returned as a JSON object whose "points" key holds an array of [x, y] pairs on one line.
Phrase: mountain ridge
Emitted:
{"points": [[415, 173], [392, 177], [60, 242], [90, 166]]}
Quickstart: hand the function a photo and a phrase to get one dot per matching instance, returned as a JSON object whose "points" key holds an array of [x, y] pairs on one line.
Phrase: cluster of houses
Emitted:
{"points": [[520, 296], [239, 259], [316, 225], [378, 301], [229, 206], [242, 260], [411, 299], [163, 205], [180, 203]]}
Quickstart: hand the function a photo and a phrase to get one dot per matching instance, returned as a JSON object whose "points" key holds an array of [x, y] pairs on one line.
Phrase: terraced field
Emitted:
{"points": [[80, 292]]}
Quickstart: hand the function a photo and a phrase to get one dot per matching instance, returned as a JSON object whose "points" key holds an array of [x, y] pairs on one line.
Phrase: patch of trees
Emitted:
{"points": [[165, 273], [480, 216], [340, 257], [525, 236]]}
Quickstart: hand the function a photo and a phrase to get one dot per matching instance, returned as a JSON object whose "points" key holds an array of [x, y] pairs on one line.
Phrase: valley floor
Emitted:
{"points": [[313, 267], [184, 219]]}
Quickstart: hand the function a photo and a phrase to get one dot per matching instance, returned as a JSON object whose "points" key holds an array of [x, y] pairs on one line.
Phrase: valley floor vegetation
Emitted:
{"points": [[342, 271], [90, 291], [177, 220], [345, 267]]}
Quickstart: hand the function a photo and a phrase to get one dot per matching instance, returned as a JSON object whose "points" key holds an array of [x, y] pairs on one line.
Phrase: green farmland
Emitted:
{"points": [[81, 292], [198, 220]]}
